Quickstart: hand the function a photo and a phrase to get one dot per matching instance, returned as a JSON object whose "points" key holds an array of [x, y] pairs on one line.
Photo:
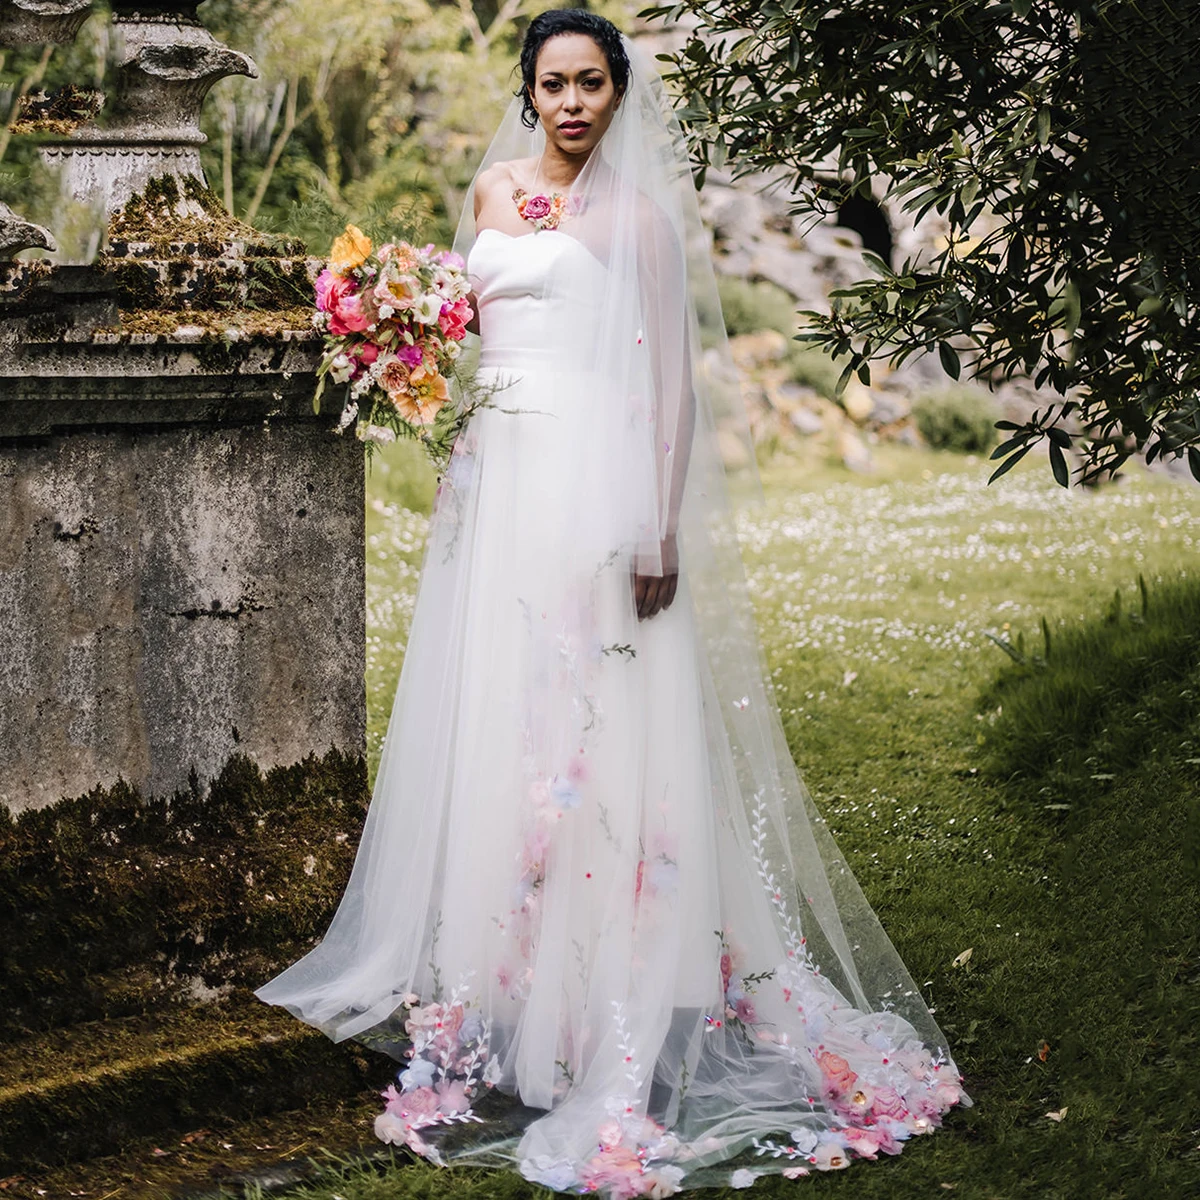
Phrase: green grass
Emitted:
{"points": [[1028, 814]]}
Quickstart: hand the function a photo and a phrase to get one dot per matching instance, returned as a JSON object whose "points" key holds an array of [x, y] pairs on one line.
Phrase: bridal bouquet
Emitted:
{"points": [[393, 318]]}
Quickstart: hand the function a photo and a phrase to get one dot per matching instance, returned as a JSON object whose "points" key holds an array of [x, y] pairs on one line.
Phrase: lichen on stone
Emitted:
{"points": [[231, 325], [177, 260]]}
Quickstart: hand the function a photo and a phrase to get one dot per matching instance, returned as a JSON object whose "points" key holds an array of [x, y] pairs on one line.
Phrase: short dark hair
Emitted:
{"points": [[568, 20]]}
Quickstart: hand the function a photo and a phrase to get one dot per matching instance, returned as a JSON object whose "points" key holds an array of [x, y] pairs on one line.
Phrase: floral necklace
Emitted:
{"points": [[542, 210]]}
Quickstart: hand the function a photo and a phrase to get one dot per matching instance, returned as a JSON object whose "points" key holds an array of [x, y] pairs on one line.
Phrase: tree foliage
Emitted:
{"points": [[376, 112], [1057, 140], [362, 107]]}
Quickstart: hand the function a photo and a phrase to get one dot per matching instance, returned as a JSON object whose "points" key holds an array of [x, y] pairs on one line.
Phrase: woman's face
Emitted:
{"points": [[573, 92]]}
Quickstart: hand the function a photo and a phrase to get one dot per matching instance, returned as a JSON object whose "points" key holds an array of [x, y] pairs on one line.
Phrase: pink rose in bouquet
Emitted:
{"points": [[338, 296], [411, 356], [452, 320], [393, 318], [365, 354]]}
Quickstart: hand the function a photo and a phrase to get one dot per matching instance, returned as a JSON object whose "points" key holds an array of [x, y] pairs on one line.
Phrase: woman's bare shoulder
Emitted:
{"points": [[496, 182], [504, 174]]}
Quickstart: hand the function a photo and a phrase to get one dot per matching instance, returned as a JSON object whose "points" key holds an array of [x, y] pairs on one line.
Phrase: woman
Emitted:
{"points": [[590, 879]]}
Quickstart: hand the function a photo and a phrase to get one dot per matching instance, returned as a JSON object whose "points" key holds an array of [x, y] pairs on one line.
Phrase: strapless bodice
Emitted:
{"points": [[530, 312]]}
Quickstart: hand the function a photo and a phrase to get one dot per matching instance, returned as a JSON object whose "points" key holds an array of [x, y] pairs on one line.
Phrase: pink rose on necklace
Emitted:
{"points": [[537, 207]]}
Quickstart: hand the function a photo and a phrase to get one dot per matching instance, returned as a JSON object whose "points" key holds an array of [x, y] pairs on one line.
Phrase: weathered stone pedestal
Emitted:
{"points": [[181, 538], [182, 629], [168, 62], [181, 549], [37, 22]]}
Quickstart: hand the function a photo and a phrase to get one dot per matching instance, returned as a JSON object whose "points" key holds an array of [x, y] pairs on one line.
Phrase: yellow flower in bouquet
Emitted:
{"points": [[427, 391], [350, 250]]}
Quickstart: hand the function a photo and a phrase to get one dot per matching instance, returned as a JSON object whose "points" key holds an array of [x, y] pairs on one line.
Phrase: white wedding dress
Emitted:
{"points": [[560, 895]]}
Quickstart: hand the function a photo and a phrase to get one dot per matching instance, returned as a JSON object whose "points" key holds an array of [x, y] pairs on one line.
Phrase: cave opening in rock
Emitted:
{"points": [[870, 222]]}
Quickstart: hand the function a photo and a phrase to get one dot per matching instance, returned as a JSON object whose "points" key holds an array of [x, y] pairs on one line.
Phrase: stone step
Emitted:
{"points": [[93, 1089]]}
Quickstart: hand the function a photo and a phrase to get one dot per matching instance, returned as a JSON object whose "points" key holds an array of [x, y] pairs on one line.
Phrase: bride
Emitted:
{"points": [[594, 913]]}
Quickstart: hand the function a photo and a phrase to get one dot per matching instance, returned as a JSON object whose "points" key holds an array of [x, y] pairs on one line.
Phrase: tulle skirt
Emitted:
{"points": [[561, 895]]}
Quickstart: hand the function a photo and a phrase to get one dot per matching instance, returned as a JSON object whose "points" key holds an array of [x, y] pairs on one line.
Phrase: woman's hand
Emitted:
{"points": [[653, 593]]}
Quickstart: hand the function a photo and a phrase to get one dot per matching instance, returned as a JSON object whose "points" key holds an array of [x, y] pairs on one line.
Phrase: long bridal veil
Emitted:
{"points": [[735, 992]]}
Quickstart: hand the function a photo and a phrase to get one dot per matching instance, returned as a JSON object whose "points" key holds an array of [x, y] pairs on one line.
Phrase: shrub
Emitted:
{"points": [[810, 366], [959, 418], [750, 307], [1101, 696]]}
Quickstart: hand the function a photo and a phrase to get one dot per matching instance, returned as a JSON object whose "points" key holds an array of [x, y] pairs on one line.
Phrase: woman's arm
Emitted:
{"points": [[485, 188], [663, 279]]}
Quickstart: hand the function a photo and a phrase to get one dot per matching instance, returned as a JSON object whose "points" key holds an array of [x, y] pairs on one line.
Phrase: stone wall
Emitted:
{"points": [[181, 564]]}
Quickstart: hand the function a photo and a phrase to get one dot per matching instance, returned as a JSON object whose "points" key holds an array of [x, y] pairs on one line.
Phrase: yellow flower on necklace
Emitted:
{"points": [[349, 251]]}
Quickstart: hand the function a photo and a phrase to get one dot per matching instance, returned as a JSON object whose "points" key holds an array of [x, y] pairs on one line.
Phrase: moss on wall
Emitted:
{"points": [[176, 257], [173, 216], [111, 904]]}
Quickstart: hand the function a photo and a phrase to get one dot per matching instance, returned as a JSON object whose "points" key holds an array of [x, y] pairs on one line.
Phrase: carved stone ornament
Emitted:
{"points": [[167, 63], [37, 22], [17, 234]]}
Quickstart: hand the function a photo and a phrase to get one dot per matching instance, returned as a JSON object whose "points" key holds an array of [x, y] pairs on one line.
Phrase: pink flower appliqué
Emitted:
{"points": [[889, 1103], [452, 1096], [421, 1102], [837, 1071], [726, 971]]}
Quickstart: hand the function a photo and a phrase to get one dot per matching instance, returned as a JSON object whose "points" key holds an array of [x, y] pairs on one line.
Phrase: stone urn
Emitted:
{"points": [[38, 22], [167, 63]]}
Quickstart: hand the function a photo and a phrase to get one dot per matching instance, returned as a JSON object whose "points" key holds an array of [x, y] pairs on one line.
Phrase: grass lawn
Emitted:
{"points": [[1042, 817]]}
